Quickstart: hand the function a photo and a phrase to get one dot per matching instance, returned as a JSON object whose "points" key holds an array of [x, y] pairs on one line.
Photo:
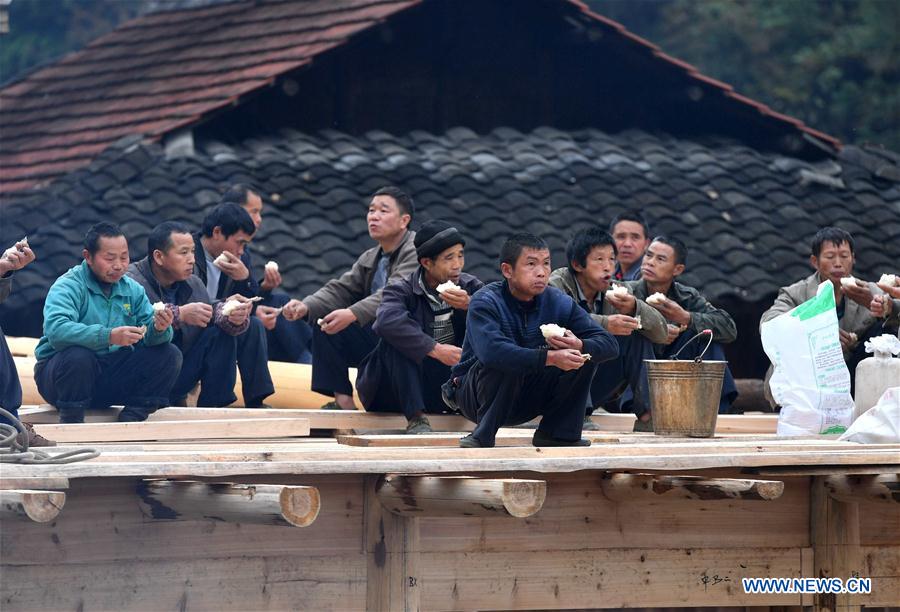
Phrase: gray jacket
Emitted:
{"points": [[703, 314], [352, 289], [653, 324]]}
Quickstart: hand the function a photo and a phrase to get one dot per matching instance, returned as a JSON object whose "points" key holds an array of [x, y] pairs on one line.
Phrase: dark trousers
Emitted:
{"points": [[715, 353], [333, 354], [10, 389], [77, 378], [290, 340], [211, 360], [492, 398], [253, 362], [407, 386], [626, 372]]}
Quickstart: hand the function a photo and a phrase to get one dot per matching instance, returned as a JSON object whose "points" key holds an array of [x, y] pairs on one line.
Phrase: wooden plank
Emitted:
{"points": [[262, 504], [625, 487], [430, 496], [33, 482], [175, 430], [505, 437], [882, 565], [29, 505], [825, 470], [834, 534]]}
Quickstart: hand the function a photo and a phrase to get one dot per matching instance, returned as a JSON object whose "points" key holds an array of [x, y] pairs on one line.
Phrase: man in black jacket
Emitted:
{"points": [[421, 330]]}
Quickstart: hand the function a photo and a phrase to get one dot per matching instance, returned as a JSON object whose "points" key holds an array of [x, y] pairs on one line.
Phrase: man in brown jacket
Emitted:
{"points": [[341, 313], [832, 258]]}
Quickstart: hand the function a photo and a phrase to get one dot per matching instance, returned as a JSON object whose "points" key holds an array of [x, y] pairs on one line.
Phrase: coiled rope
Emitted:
{"points": [[13, 451]]}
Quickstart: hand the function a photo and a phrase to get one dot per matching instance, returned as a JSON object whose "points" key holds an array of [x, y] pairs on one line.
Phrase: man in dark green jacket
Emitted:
{"points": [[103, 342]]}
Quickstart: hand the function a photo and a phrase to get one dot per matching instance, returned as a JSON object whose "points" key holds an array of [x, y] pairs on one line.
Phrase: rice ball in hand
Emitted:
{"points": [[271, 266], [656, 299], [888, 279], [552, 330], [618, 291], [848, 281], [158, 307], [446, 286]]}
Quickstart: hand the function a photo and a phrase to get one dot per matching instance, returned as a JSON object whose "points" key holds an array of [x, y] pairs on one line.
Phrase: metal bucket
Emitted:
{"points": [[684, 395]]}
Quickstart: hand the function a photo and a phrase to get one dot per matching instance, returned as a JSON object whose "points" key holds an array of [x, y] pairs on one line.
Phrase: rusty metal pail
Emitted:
{"points": [[684, 394]]}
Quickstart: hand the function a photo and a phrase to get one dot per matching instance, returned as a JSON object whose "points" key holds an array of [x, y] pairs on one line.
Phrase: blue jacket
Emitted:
{"points": [[78, 313], [505, 334]]}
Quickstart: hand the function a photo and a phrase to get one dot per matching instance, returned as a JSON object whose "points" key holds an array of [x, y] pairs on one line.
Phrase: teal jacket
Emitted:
{"points": [[77, 313]]}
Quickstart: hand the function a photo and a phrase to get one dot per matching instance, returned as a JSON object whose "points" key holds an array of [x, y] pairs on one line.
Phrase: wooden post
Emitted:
{"points": [[392, 550], [25, 505], [461, 496], [236, 503], [875, 488], [834, 535], [625, 487]]}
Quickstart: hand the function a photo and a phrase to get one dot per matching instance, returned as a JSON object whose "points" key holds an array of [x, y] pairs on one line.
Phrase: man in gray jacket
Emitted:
{"points": [[591, 257], [204, 333], [341, 313]]}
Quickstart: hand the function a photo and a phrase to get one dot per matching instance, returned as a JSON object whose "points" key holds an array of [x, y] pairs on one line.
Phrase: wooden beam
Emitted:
{"points": [[175, 430], [25, 505], [874, 488], [628, 487], [834, 535], [505, 437], [33, 482], [433, 496], [263, 504], [392, 546]]}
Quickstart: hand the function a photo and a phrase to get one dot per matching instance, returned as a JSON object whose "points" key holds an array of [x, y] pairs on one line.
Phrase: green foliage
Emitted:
{"points": [[834, 64]]}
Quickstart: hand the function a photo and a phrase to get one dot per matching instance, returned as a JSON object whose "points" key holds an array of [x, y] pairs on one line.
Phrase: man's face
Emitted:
{"points": [[384, 219], [598, 269], [110, 262], [234, 244], [529, 275], [254, 207], [178, 261], [834, 261], [447, 265], [631, 242], [659, 264]]}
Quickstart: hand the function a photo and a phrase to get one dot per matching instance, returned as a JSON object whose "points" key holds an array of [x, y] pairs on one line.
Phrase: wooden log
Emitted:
{"points": [[25, 368], [22, 346], [263, 504], [628, 487], [175, 430], [34, 482], [432, 496], [26, 505], [874, 488]]}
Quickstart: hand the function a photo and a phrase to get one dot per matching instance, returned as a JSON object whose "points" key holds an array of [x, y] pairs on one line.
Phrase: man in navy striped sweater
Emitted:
{"points": [[509, 373]]}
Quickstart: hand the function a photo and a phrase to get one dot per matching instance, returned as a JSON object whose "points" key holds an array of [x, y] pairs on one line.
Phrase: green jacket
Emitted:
{"points": [[703, 314], [77, 313]]}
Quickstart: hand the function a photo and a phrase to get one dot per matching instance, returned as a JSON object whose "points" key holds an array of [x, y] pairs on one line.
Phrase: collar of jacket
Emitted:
{"points": [[396, 252], [93, 285], [516, 304], [182, 290]]}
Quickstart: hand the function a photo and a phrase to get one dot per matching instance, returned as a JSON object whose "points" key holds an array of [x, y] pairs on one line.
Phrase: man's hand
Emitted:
{"points": [[295, 309], [565, 359], [16, 257], [568, 341], [233, 268], [268, 315], [239, 314], [881, 306], [626, 304], [456, 298], [859, 292], [673, 312], [197, 314], [162, 319], [271, 280], [621, 325], [894, 292], [848, 340], [337, 321], [672, 332], [125, 335], [447, 354]]}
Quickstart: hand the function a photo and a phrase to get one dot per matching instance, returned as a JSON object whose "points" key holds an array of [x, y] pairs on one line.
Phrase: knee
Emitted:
{"points": [[167, 357], [78, 362]]}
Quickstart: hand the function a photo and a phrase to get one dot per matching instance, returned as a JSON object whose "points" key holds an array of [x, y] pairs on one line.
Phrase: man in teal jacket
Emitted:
{"points": [[103, 342]]}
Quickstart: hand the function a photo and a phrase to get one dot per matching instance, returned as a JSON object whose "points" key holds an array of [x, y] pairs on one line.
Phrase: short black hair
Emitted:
{"points": [[161, 236], [515, 244], [583, 241], [237, 194], [634, 217], [97, 231], [232, 218], [403, 199], [680, 248], [834, 235]]}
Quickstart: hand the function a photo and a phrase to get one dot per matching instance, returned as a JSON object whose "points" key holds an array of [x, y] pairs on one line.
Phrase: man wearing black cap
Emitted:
{"points": [[421, 322]]}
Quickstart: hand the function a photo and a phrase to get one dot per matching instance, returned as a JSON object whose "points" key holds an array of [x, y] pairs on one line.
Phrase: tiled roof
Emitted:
{"points": [[166, 71], [747, 216]]}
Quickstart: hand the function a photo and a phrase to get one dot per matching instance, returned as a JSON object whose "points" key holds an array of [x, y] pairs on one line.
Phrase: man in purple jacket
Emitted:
{"points": [[421, 322]]}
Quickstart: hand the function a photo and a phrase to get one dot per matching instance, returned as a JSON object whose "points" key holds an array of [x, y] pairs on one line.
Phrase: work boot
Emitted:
{"points": [[332, 405], [470, 441], [448, 394], [543, 439], [418, 425], [31, 438], [589, 425]]}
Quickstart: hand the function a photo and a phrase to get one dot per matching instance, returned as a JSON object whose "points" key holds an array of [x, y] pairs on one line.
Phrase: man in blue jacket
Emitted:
{"points": [[509, 373], [421, 330], [103, 342]]}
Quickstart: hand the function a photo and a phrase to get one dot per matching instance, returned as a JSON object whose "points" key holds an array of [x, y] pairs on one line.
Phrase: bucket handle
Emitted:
{"points": [[699, 358]]}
